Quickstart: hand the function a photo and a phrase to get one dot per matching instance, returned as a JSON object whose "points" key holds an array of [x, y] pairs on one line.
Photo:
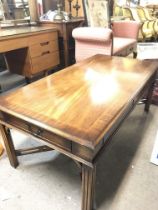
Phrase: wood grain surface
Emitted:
{"points": [[1, 149], [82, 102], [26, 48], [8, 33]]}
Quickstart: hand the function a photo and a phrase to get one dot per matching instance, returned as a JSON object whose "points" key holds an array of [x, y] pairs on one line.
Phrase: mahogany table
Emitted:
{"points": [[77, 111], [1, 149]]}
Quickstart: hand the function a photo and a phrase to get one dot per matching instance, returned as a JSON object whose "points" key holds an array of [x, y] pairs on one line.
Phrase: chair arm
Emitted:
{"points": [[92, 34], [126, 29]]}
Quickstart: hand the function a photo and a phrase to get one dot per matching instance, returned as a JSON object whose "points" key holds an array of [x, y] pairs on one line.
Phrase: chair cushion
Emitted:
{"points": [[121, 44], [92, 33]]}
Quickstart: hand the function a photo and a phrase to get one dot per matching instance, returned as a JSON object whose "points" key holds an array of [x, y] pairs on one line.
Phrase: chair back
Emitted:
{"points": [[117, 11], [148, 15], [141, 14], [135, 14], [97, 13], [127, 13]]}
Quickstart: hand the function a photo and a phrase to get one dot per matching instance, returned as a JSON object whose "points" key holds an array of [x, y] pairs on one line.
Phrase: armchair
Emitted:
{"points": [[120, 39], [146, 31], [90, 41], [151, 23]]}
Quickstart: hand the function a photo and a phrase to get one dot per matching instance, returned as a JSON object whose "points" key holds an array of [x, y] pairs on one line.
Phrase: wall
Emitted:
{"points": [[80, 11], [51, 5]]}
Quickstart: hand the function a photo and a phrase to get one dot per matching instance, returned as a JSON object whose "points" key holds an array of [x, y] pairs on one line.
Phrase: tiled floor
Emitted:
{"points": [[50, 181]]}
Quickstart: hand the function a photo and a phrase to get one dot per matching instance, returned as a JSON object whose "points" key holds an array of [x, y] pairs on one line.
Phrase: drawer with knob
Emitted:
{"points": [[45, 37], [45, 61], [43, 48], [35, 130]]}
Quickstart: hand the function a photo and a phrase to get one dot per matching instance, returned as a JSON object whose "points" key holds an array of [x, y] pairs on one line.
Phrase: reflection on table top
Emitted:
{"points": [[83, 101]]}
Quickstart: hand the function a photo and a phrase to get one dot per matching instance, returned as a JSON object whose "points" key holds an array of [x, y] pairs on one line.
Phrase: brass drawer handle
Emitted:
{"points": [[44, 43], [37, 133], [46, 52]]}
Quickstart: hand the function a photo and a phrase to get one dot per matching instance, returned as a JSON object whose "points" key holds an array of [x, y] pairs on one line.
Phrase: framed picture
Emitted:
{"points": [[97, 13]]}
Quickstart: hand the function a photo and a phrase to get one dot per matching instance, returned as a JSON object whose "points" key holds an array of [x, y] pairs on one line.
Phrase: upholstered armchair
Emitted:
{"points": [[90, 41], [146, 31], [151, 22], [125, 35], [120, 39]]}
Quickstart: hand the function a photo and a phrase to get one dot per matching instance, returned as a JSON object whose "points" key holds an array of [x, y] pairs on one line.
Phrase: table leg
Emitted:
{"points": [[149, 96], [1, 149], [6, 136], [65, 43], [88, 187], [1, 146]]}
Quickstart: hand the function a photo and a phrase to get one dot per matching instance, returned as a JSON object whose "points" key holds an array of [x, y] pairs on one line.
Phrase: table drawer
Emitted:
{"points": [[43, 48], [13, 44], [45, 62], [36, 131], [41, 38]]}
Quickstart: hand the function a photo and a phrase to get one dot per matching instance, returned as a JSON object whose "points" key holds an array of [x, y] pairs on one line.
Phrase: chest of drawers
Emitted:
{"points": [[30, 52]]}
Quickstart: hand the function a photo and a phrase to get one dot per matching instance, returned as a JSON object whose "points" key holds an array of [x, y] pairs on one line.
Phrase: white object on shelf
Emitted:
{"points": [[147, 50]]}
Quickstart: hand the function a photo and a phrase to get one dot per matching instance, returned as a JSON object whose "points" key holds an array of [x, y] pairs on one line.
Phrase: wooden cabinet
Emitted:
{"points": [[66, 42], [31, 50], [43, 51]]}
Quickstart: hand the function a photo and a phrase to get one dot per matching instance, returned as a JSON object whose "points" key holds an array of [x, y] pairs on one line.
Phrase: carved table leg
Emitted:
{"points": [[88, 187], [149, 97], [1, 149], [9, 146]]}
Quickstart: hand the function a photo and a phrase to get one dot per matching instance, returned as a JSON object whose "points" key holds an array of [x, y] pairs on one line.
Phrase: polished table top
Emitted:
{"points": [[8, 33], [81, 102]]}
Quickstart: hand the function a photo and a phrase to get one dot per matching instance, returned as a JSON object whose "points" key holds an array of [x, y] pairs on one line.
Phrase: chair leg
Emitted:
{"points": [[134, 54]]}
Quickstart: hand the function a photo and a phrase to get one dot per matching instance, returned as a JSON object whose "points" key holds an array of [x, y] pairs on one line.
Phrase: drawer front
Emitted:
{"points": [[36, 131], [45, 62], [43, 48], [13, 44], [41, 38]]}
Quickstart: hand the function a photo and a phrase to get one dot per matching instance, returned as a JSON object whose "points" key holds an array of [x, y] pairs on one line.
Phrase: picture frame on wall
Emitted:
{"points": [[97, 13]]}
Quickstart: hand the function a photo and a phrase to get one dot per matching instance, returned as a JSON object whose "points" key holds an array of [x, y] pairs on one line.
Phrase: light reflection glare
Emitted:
{"points": [[103, 87]]}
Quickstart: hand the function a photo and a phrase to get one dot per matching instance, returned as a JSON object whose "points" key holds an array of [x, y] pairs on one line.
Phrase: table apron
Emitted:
{"points": [[45, 141]]}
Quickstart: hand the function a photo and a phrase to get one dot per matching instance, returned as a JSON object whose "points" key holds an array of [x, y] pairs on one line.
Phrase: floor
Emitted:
{"points": [[50, 181]]}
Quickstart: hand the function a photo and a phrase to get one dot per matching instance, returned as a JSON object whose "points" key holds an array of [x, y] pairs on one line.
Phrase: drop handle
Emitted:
{"points": [[45, 53], [44, 43], [37, 133]]}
